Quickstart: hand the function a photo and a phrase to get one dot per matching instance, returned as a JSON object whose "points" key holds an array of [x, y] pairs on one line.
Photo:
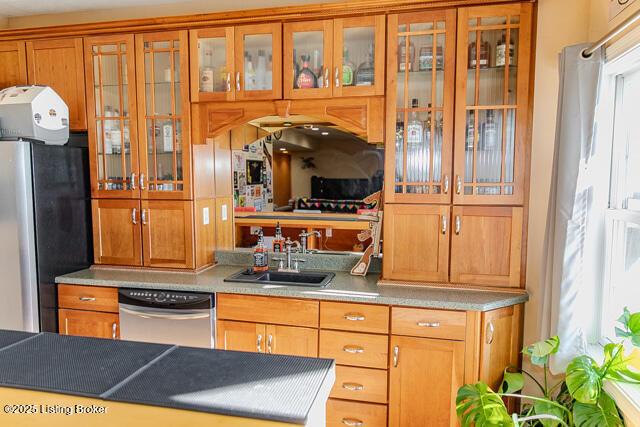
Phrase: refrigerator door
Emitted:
{"points": [[18, 287]]}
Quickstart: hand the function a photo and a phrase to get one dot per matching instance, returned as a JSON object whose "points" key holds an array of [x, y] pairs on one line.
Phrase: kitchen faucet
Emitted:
{"points": [[288, 245], [304, 236]]}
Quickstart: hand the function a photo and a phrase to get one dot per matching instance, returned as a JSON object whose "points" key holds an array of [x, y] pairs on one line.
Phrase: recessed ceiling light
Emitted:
{"points": [[325, 133], [283, 149], [286, 124], [315, 128], [285, 152]]}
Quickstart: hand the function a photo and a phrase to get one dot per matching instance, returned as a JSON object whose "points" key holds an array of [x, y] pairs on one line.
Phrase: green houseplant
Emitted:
{"points": [[577, 400]]}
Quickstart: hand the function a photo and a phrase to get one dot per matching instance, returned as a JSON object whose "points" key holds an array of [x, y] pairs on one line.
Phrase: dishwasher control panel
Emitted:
{"points": [[166, 298]]}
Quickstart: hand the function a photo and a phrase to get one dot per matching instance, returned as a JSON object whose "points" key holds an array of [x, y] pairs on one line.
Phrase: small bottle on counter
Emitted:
{"points": [[260, 256], [278, 240]]}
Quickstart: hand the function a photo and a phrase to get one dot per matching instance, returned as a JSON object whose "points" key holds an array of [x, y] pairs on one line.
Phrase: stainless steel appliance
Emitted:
{"points": [[45, 208], [167, 317]]}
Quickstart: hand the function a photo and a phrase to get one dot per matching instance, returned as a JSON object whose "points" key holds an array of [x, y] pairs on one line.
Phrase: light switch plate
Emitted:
{"points": [[205, 216], [328, 232], [223, 212]]}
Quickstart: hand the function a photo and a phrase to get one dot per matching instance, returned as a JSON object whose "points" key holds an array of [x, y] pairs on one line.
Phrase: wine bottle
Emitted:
{"points": [[347, 69], [305, 78], [403, 61], [366, 70]]}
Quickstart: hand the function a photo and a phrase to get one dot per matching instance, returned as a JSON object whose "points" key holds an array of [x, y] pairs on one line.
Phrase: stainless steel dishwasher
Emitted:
{"points": [[167, 317]]}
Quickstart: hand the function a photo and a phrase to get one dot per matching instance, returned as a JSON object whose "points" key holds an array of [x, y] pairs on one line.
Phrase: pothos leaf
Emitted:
{"points": [[620, 367], [512, 382], [539, 352], [603, 413], [478, 405], [583, 379]]}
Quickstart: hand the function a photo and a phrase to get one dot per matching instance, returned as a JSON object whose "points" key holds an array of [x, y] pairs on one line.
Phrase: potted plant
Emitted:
{"points": [[577, 400]]}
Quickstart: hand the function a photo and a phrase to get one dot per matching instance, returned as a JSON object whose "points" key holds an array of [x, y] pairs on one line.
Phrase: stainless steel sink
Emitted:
{"points": [[304, 278]]}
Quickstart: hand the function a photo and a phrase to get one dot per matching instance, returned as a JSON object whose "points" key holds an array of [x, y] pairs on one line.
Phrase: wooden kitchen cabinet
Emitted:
{"points": [[60, 64], [500, 344], [111, 116], [416, 242], [14, 64], [237, 63], [117, 236], [492, 102], [272, 339], [486, 245], [164, 119], [89, 324], [424, 377], [240, 336]]}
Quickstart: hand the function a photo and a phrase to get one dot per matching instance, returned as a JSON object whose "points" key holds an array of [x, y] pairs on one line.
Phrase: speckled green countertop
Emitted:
{"points": [[343, 287]]}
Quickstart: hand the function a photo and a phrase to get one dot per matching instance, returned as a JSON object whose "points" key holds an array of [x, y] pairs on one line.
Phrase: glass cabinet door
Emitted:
{"points": [[420, 84], [163, 115], [212, 67], [307, 59], [109, 63], [492, 94], [358, 56], [258, 62]]}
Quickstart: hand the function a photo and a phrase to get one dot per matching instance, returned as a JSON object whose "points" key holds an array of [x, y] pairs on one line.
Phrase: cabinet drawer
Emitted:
{"points": [[272, 310], [369, 385], [341, 413], [88, 298], [349, 348], [354, 317], [420, 322]]}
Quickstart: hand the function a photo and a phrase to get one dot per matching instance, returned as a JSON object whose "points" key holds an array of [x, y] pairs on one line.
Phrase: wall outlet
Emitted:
{"points": [[328, 232], [223, 213], [205, 216]]}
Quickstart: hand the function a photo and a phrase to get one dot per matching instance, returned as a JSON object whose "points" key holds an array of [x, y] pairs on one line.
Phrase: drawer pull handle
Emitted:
{"points": [[259, 343], [269, 344], [353, 386], [114, 330], [396, 353], [352, 422], [429, 324], [489, 333], [87, 299], [355, 317], [353, 349]]}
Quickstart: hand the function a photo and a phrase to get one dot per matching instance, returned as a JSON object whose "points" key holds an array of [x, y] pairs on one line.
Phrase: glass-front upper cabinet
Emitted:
{"points": [[163, 114], [358, 56], [111, 97], [420, 91], [236, 63], [307, 59], [494, 47]]}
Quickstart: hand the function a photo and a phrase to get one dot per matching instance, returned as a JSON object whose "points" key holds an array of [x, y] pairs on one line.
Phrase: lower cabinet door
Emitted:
{"points": [[486, 245], [292, 341], [116, 232], [424, 378], [240, 336], [341, 413], [88, 324], [167, 233], [416, 243]]}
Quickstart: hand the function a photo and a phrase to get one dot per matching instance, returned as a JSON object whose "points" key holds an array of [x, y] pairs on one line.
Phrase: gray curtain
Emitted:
{"points": [[569, 204]]}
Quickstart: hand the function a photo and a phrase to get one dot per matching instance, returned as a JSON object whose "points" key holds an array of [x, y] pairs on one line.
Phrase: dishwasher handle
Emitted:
{"points": [[149, 315]]}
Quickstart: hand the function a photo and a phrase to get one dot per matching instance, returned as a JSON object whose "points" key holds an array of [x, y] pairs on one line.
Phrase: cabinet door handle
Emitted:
{"points": [[337, 76], [458, 184], [238, 81], [354, 317], [87, 299], [429, 324], [142, 181], [352, 386], [353, 349], [114, 330], [458, 224], [445, 186], [269, 344], [444, 224], [326, 77], [396, 352], [228, 82], [134, 213], [133, 180], [143, 216], [489, 333], [259, 343], [352, 422]]}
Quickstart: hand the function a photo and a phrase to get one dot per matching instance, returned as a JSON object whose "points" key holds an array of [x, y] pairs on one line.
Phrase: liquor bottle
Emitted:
{"points": [[278, 240], [415, 135], [425, 58], [489, 133], [366, 70], [261, 70], [305, 78], [470, 134], [399, 149], [403, 61], [316, 68], [250, 73], [501, 52], [485, 49], [347, 69], [260, 257]]}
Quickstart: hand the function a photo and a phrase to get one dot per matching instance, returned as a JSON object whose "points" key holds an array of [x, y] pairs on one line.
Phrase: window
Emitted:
{"points": [[622, 218]]}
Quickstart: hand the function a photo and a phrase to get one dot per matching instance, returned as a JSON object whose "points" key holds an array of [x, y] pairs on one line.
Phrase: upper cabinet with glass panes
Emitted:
{"points": [[332, 58], [111, 97], [492, 98], [236, 63], [163, 114]]}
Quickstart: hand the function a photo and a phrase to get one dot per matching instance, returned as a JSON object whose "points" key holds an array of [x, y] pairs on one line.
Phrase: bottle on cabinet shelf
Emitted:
{"points": [[501, 52], [426, 58], [348, 69], [406, 63], [278, 240], [366, 70], [250, 73], [481, 60], [260, 257], [305, 78], [261, 70]]}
